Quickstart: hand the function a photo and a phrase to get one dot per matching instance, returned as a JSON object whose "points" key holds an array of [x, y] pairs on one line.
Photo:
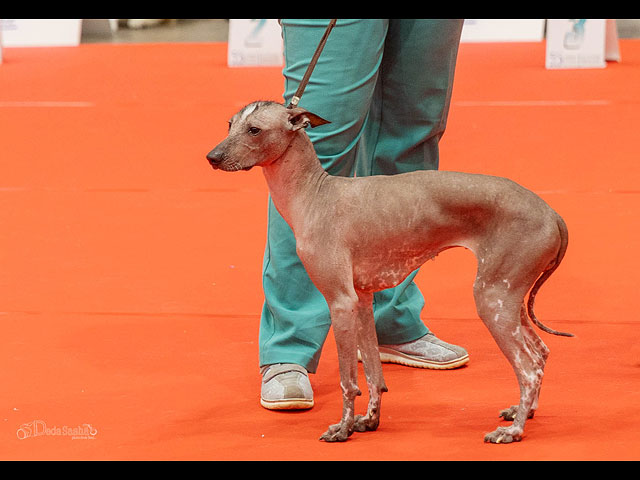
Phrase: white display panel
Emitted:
{"points": [[581, 43], [255, 42], [33, 32], [503, 30]]}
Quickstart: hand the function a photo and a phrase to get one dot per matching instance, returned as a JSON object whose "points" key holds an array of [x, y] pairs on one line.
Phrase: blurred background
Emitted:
{"points": [[216, 30], [163, 30]]}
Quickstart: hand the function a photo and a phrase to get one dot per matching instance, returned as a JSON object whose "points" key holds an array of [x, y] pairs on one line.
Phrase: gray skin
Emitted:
{"points": [[356, 236]]}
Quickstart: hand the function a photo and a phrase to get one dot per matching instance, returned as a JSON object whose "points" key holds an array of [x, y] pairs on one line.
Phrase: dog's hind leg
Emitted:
{"points": [[368, 345], [540, 353], [499, 309]]}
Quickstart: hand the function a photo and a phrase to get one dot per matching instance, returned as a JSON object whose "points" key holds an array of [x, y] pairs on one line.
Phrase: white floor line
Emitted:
{"points": [[531, 103], [45, 104]]}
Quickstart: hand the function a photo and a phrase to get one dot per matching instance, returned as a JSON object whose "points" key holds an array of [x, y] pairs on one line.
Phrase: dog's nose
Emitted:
{"points": [[215, 157]]}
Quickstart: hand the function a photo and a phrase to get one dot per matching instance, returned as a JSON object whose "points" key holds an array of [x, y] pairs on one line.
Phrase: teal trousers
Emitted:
{"points": [[385, 86]]}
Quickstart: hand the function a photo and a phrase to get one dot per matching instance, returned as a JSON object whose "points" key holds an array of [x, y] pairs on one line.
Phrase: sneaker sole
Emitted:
{"points": [[393, 356], [291, 404]]}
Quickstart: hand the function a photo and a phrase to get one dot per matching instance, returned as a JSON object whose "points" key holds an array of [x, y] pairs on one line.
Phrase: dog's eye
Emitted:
{"points": [[254, 130]]}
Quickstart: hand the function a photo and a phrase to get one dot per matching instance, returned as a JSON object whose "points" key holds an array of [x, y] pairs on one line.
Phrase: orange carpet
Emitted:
{"points": [[130, 272]]}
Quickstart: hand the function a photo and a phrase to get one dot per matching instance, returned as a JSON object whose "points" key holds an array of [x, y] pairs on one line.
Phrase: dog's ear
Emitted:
{"points": [[300, 118]]}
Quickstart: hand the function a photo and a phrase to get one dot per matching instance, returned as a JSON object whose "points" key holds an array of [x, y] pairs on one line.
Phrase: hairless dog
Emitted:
{"points": [[356, 236]]}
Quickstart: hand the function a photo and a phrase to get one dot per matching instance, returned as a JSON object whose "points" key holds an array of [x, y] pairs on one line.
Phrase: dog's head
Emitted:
{"points": [[259, 134]]}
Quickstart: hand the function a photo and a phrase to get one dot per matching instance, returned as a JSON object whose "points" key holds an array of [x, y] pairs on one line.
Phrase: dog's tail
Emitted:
{"points": [[564, 241]]}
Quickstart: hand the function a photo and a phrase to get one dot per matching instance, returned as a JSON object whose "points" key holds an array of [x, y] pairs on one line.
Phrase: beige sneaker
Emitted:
{"points": [[285, 386], [425, 352]]}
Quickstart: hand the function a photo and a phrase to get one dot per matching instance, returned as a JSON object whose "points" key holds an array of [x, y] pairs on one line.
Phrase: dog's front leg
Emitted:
{"points": [[368, 345], [343, 309]]}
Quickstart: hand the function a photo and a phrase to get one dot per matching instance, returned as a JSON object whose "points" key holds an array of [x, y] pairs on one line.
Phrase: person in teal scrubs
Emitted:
{"points": [[385, 86]]}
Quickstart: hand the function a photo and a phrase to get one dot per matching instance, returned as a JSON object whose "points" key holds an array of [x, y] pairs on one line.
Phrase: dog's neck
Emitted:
{"points": [[294, 178]]}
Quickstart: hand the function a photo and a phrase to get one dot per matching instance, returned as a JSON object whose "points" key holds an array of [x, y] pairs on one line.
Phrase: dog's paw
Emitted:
{"points": [[337, 433], [366, 423], [503, 435], [510, 413]]}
